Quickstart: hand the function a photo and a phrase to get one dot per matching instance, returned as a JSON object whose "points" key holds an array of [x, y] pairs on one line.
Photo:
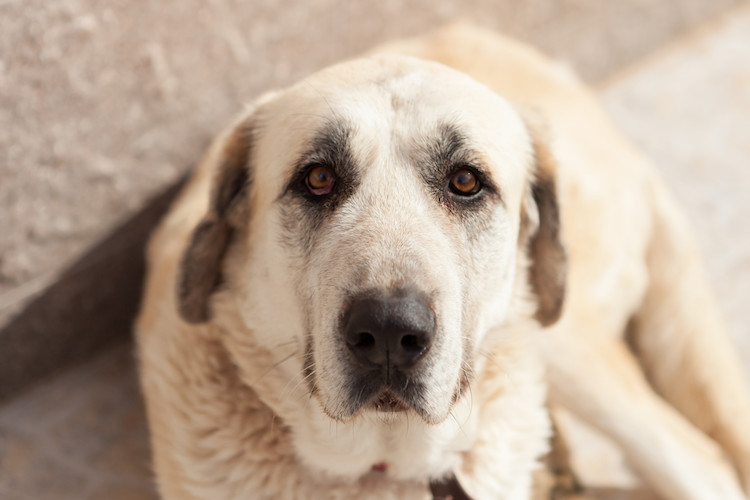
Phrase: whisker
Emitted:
{"points": [[284, 344], [299, 383], [467, 371], [329, 119], [460, 426], [274, 366]]}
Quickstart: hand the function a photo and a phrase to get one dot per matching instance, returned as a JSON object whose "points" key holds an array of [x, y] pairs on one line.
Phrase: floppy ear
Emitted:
{"points": [[540, 232], [200, 268]]}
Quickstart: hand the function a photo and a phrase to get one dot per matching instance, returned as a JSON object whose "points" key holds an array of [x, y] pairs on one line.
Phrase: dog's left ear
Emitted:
{"points": [[540, 234], [200, 269]]}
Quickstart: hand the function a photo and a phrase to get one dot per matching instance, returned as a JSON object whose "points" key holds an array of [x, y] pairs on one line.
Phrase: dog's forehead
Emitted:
{"points": [[387, 102], [391, 91]]}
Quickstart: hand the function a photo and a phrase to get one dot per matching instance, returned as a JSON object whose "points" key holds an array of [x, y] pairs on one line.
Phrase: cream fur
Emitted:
{"points": [[228, 401]]}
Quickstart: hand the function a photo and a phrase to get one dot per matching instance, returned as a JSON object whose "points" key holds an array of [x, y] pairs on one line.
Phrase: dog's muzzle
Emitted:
{"points": [[389, 331]]}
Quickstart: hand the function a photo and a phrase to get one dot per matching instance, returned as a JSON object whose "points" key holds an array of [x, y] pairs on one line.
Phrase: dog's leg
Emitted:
{"points": [[596, 377], [683, 345], [565, 483], [556, 480]]}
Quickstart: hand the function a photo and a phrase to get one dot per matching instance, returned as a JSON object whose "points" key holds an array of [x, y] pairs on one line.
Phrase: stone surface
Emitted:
{"points": [[90, 303], [80, 436], [104, 103]]}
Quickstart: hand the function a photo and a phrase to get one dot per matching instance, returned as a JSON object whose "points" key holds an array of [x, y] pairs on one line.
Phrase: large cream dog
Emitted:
{"points": [[348, 299]]}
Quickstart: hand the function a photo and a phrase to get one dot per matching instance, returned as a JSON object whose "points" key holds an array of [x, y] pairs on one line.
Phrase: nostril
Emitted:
{"points": [[363, 340], [411, 343]]}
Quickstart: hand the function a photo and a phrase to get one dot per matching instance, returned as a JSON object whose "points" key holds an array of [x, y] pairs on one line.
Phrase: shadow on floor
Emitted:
{"points": [[601, 493], [90, 304]]}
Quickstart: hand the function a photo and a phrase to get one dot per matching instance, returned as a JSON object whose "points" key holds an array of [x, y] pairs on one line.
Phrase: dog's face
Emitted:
{"points": [[376, 216]]}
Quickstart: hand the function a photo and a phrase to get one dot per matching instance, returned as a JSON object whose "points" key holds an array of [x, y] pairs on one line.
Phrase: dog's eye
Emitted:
{"points": [[319, 180], [465, 182]]}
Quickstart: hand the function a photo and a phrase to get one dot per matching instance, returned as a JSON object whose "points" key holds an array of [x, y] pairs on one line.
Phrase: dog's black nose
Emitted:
{"points": [[393, 329]]}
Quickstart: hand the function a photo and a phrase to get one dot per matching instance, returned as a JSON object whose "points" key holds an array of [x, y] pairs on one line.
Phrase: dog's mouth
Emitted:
{"points": [[398, 394], [395, 394], [388, 402]]}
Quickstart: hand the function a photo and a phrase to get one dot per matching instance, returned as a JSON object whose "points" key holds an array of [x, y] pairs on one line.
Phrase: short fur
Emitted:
{"points": [[251, 391]]}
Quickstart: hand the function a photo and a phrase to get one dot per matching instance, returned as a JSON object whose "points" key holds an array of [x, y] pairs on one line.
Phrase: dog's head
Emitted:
{"points": [[384, 215]]}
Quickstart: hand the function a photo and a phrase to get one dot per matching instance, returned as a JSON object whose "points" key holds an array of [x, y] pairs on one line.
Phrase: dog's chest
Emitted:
{"points": [[400, 446]]}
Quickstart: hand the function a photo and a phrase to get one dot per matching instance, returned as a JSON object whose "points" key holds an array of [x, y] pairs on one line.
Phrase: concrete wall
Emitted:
{"points": [[105, 104]]}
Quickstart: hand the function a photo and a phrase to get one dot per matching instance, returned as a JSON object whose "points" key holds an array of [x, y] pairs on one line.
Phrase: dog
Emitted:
{"points": [[375, 276]]}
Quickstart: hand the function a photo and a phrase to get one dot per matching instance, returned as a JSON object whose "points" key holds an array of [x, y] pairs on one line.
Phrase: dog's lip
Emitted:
{"points": [[387, 401]]}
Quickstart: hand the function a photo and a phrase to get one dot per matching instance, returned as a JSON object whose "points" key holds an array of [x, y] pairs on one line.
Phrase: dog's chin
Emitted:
{"points": [[371, 396], [388, 402]]}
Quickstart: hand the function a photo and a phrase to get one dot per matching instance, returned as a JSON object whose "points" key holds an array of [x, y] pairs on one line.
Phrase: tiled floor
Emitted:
{"points": [[82, 435]]}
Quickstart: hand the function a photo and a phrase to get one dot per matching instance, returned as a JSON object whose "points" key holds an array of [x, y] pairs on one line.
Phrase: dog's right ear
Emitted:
{"points": [[541, 235], [200, 268]]}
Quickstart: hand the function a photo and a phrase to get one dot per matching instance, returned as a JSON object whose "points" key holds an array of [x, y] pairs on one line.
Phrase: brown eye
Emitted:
{"points": [[319, 180], [464, 182]]}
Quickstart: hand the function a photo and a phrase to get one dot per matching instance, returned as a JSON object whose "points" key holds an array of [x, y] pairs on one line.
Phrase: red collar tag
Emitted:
{"points": [[380, 467]]}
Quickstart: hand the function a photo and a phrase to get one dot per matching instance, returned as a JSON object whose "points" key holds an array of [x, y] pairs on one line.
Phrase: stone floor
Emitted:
{"points": [[82, 434]]}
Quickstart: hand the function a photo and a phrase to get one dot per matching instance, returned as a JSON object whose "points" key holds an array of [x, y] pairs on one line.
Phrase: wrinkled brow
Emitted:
{"points": [[448, 149], [330, 147], [450, 146]]}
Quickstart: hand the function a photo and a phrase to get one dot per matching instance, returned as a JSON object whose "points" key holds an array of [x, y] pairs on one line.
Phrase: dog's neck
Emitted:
{"points": [[381, 447], [400, 445]]}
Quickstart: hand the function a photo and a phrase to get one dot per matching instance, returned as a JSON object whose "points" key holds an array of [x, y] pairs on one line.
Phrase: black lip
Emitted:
{"points": [[398, 393], [388, 402]]}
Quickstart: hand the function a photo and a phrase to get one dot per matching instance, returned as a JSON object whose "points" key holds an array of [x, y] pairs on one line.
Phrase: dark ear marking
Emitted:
{"points": [[233, 175], [547, 255], [200, 269]]}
